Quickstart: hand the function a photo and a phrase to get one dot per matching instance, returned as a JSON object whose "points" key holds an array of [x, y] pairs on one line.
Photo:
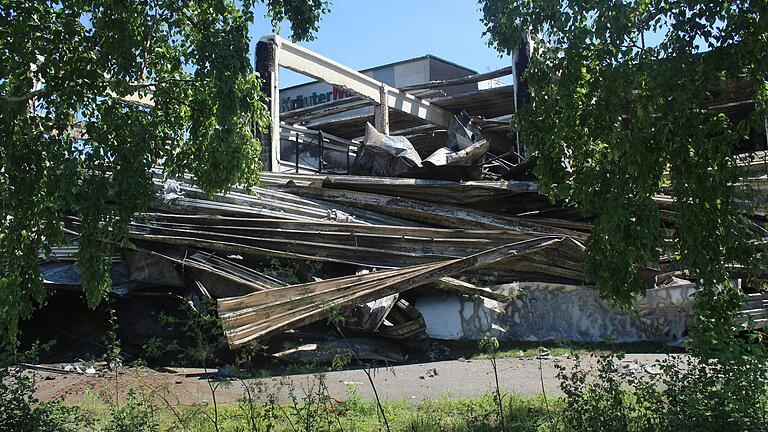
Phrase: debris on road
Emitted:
{"points": [[431, 373]]}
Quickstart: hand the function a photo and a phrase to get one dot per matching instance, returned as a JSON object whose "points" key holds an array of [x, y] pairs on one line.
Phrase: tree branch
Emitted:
{"points": [[27, 96]]}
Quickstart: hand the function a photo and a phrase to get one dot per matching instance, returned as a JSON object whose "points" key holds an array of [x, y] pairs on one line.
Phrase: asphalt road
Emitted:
{"points": [[412, 382]]}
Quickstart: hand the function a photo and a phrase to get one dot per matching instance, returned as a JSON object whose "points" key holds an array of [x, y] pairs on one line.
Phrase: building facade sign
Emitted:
{"points": [[303, 100]]}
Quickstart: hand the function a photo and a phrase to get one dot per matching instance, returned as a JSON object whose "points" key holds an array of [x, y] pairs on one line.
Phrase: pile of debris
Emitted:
{"points": [[382, 155], [395, 259], [435, 230]]}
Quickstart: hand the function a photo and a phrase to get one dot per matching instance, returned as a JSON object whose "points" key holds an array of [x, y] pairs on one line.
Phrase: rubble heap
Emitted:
{"points": [[382, 252]]}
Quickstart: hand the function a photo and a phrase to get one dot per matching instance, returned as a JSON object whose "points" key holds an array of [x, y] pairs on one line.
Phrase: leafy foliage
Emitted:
{"points": [[203, 339], [71, 143], [685, 394], [20, 411], [138, 414], [613, 119], [303, 16]]}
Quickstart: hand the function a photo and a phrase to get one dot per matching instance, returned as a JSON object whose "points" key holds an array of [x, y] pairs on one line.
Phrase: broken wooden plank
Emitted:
{"points": [[367, 318], [262, 314], [470, 79], [465, 288], [217, 267], [436, 214], [404, 323]]}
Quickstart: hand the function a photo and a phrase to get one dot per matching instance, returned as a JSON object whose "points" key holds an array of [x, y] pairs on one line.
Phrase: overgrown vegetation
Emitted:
{"points": [[618, 110], [686, 394], [557, 348], [620, 98], [603, 399], [258, 411], [678, 393], [203, 339], [74, 141], [20, 411]]}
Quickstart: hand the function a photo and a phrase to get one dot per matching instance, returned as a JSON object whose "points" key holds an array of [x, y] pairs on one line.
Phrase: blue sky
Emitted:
{"points": [[367, 33]]}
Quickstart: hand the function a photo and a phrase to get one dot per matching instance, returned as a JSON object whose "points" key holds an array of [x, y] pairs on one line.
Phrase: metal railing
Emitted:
{"points": [[306, 150]]}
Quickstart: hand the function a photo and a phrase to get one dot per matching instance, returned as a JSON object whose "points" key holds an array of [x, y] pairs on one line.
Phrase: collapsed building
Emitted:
{"points": [[407, 209]]}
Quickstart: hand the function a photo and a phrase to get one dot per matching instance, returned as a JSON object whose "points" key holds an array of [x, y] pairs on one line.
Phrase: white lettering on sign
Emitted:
{"points": [[301, 101]]}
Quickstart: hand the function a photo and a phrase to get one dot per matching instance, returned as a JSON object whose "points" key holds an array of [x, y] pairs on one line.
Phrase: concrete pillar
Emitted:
{"points": [[267, 53], [381, 112]]}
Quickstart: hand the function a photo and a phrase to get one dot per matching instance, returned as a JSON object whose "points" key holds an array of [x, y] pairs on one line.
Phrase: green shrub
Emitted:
{"points": [[138, 414], [692, 393], [20, 411], [420, 424]]}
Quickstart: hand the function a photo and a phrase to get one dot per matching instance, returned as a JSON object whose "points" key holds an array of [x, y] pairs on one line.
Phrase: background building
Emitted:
{"points": [[417, 70]]}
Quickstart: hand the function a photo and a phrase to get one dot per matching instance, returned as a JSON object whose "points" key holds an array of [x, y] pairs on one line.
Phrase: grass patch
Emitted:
{"points": [[523, 349], [352, 414]]}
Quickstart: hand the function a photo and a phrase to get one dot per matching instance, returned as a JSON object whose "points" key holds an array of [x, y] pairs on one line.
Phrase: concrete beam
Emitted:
{"points": [[307, 62]]}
